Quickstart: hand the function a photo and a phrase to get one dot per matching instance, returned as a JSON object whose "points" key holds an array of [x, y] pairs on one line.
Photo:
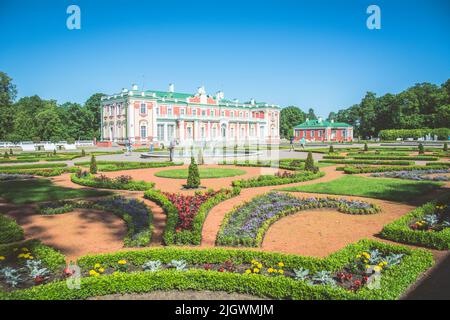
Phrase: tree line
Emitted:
{"points": [[36, 119], [422, 106]]}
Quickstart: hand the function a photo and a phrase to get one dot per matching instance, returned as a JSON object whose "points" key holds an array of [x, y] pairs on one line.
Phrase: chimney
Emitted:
{"points": [[171, 88], [134, 87]]}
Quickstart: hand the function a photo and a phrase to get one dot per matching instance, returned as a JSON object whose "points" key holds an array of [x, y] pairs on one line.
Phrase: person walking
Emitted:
{"points": [[171, 149], [292, 143], [302, 143]]}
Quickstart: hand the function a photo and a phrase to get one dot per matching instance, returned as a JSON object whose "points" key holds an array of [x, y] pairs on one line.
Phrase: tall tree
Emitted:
{"points": [[311, 115], [93, 105], [289, 118], [8, 94]]}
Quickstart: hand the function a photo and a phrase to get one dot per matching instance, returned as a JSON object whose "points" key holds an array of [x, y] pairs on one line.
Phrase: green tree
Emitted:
{"points": [[289, 118], [8, 93], [193, 180], [311, 115], [93, 165], [331, 149], [93, 108], [421, 149], [445, 147], [309, 163], [6, 155], [366, 147]]}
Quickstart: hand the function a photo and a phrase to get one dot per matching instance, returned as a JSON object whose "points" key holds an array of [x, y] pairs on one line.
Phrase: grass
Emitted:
{"points": [[38, 190], [205, 173], [379, 188]]}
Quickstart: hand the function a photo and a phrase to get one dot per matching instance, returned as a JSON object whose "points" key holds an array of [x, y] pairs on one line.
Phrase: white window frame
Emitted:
{"points": [[143, 105]]}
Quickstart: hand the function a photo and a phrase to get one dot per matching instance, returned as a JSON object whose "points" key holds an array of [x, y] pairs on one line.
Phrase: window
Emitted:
{"points": [[213, 133], [118, 109], [111, 110], [203, 113], [252, 131], [232, 114], [169, 111], [160, 132], [194, 112], [143, 132], [157, 111], [182, 111], [240, 114], [170, 132], [223, 113], [242, 132], [320, 133], [203, 132], [143, 108], [232, 132], [189, 132]]}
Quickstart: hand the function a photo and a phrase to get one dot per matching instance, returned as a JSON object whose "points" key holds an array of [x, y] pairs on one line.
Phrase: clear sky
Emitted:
{"points": [[316, 54]]}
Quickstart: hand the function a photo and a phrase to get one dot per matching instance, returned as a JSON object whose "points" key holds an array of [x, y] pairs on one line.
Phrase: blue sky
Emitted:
{"points": [[307, 53]]}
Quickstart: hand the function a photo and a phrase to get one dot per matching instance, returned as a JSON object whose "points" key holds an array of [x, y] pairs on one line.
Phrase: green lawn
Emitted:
{"points": [[38, 190], [205, 173], [379, 188]]}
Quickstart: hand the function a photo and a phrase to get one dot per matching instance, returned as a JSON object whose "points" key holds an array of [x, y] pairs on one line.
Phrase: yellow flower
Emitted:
{"points": [[366, 261], [255, 270], [122, 262], [2, 258], [280, 271], [259, 265], [30, 257], [248, 271], [358, 256], [367, 266], [280, 264], [93, 273], [24, 249], [101, 270], [270, 270], [377, 269], [254, 261], [97, 265]]}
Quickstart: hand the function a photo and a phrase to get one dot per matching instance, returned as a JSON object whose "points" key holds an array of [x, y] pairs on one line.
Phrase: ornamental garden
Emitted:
{"points": [[332, 222]]}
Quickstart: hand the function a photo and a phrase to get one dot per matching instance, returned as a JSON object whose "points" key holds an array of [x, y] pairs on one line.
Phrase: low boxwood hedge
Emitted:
{"points": [[368, 169], [378, 157], [374, 162], [273, 180], [171, 235], [10, 231], [35, 166], [400, 231], [90, 180], [108, 166], [444, 164], [394, 281]]}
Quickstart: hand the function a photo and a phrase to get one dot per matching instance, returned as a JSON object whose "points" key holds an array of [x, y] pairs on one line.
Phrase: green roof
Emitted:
{"points": [[321, 124]]}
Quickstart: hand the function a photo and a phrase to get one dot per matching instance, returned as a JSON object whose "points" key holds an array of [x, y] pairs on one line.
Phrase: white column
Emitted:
{"points": [[130, 121]]}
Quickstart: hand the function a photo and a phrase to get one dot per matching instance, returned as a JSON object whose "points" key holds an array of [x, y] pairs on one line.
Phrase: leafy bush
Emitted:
{"points": [[273, 180], [400, 230], [366, 147], [445, 147], [107, 166], [393, 134], [247, 224], [331, 149], [193, 180], [10, 231], [119, 183], [394, 282], [421, 149], [172, 235], [309, 164]]}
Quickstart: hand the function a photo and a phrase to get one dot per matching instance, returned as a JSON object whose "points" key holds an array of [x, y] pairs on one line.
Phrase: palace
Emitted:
{"points": [[320, 130], [140, 117]]}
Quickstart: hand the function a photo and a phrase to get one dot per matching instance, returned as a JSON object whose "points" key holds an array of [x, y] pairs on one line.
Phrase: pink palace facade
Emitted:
{"points": [[140, 117]]}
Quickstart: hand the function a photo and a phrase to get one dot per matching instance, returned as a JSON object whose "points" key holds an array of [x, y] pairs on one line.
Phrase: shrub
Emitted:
{"points": [[366, 147], [373, 162], [421, 149], [93, 165], [394, 282], [331, 149], [6, 155], [368, 169], [400, 230], [83, 153], [193, 180], [193, 236], [309, 163], [442, 133], [273, 180], [119, 183], [11, 151], [10, 231], [382, 157], [445, 147]]}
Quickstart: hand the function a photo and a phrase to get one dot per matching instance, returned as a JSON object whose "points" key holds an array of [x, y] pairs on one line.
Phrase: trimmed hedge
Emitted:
{"points": [[194, 236], [224, 240], [272, 180], [139, 228], [400, 231], [393, 134], [394, 281], [52, 258], [132, 185], [381, 157], [365, 169], [35, 166], [374, 162], [108, 166], [10, 231], [444, 164]]}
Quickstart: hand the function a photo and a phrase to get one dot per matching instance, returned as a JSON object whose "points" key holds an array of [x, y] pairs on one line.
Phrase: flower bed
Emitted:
{"points": [[418, 175], [234, 271], [428, 226], [381, 157], [368, 169], [186, 214], [122, 182], [10, 231], [247, 224], [135, 213], [373, 162], [107, 166], [277, 179], [28, 264]]}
